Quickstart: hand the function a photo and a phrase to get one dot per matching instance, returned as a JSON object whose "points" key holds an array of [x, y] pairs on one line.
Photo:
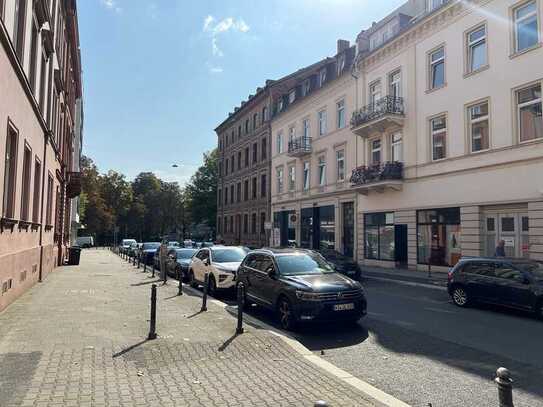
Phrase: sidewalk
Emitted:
{"points": [[436, 278], [78, 339]]}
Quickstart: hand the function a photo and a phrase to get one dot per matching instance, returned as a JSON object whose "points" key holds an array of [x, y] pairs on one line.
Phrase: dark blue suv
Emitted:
{"points": [[515, 283]]}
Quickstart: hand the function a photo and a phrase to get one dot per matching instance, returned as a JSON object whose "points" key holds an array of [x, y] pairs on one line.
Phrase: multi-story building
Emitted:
{"points": [[243, 206], [313, 154], [40, 82], [449, 118]]}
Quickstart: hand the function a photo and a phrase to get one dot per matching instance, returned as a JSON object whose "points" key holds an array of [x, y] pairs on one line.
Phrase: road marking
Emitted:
{"points": [[409, 283]]}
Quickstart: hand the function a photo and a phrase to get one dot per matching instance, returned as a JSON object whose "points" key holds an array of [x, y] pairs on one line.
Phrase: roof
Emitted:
{"points": [[281, 250]]}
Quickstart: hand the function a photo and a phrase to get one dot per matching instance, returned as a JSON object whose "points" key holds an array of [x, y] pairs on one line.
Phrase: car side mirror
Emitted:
{"points": [[271, 272]]}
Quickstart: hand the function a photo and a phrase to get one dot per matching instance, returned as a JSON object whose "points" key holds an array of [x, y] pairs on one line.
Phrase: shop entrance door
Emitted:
{"points": [[510, 226], [348, 229]]}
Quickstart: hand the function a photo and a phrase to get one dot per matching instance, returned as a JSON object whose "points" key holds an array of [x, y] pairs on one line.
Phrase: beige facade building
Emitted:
{"points": [[313, 154], [450, 127], [40, 86]]}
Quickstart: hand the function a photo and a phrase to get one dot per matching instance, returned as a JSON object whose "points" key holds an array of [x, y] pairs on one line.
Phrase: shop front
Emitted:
{"points": [[438, 237], [318, 228]]}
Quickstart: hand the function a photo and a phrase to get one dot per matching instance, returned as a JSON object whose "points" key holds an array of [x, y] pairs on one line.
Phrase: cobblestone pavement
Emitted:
{"points": [[78, 339]]}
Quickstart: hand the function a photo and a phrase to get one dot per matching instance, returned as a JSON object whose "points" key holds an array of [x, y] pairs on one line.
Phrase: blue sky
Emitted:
{"points": [[160, 75]]}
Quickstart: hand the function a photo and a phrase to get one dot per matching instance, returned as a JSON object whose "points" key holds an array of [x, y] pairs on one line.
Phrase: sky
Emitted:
{"points": [[160, 75]]}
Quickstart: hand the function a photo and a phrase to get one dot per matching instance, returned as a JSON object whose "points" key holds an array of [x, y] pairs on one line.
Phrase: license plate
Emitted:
{"points": [[343, 307]]}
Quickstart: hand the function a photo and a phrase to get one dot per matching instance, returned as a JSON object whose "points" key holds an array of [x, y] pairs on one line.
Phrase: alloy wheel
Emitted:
{"points": [[285, 314], [460, 297]]}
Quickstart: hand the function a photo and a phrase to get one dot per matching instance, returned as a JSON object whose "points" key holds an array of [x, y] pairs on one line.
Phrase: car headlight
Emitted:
{"points": [[306, 295]]}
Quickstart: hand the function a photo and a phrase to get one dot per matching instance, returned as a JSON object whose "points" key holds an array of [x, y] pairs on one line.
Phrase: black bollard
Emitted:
{"points": [[152, 325], [241, 303], [138, 261], [180, 277], [204, 297], [505, 387], [133, 260], [145, 267], [153, 269]]}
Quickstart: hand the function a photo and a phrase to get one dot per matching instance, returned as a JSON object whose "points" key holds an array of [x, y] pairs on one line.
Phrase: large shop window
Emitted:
{"points": [[438, 234], [327, 227], [379, 236]]}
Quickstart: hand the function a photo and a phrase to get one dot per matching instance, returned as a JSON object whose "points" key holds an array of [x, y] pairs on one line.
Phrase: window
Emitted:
{"points": [[254, 191], [219, 196], [231, 224], [478, 127], [255, 152], [291, 178], [225, 224], [396, 147], [375, 94], [238, 192], [10, 174], [263, 222], [33, 56], [239, 133], [245, 223], [239, 160], [306, 87], [476, 45], [437, 68], [376, 151], [307, 133], [438, 232], [19, 28], [220, 169], [307, 178], [322, 122], [226, 167], [253, 223], [246, 156], [529, 117], [322, 77], [279, 173], [49, 211], [291, 96], [434, 4], [395, 84], [280, 105], [264, 114], [247, 126], [340, 107], [439, 136], [264, 149], [37, 191], [25, 191], [279, 143], [263, 185], [232, 193], [340, 64], [255, 120], [340, 159], [526, 26], [379, 236], [322, 171], [291, 134]]}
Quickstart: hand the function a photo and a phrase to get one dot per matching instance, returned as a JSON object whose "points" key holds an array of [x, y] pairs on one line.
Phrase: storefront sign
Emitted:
{"points": [[509, 241]]}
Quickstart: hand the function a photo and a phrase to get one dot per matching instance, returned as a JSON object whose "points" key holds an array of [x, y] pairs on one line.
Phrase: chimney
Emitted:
{"points": [[342, 45]]}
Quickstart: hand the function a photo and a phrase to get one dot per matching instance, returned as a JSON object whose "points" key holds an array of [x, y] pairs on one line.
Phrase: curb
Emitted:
{"points": [[366, 388]]}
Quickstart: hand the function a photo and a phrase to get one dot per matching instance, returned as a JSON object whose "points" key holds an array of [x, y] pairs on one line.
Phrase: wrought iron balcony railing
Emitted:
{"points": [[299, 146], [391, 170], [388, 105]]}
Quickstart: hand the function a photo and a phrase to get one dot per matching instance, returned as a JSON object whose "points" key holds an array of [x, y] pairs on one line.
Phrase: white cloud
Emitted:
{"points": [[112, 5], [216, 69], [215, 28]]}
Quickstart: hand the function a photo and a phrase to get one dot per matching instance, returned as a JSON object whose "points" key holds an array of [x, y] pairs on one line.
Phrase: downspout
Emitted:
{"points": [[40, 275]]}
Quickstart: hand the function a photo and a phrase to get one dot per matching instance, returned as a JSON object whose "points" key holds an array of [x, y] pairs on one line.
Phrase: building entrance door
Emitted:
{"points": [[510, 226], [348, 229]]}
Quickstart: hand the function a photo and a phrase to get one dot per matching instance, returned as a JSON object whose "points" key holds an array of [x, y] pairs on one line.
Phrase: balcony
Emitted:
{"points": [[385, 114], [299, 147], [73, 188], [378, 177]]}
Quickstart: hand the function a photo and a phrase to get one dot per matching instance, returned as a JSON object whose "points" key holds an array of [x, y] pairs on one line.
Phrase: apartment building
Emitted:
{"points": [[313, 154], [40, 82], [449, 120], [243, 206]]}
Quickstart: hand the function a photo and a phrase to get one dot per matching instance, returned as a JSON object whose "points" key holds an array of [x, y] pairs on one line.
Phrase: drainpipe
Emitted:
{"points": [[40, 275]]}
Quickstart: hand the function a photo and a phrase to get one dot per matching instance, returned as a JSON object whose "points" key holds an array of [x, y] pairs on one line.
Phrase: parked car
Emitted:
{"points": [[515, 283], [125, 245], [341, 263], [221, 262], [299, 285], [133, 249], [147, 252], [84, 241], [173, 243], [207, 244], [178, 262]]}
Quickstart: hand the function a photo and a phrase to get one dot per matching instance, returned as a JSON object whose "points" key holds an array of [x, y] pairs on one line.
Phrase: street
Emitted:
{"points": [[417, 346]]}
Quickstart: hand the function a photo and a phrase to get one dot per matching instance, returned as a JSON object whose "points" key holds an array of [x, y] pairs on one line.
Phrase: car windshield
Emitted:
{"points": [[148, 246], [303, 263], [185, 253], [230, 255], [535, 268]]}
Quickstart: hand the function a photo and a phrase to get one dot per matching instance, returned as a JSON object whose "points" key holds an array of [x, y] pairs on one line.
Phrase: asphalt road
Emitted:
{"points": [[417, 346]]}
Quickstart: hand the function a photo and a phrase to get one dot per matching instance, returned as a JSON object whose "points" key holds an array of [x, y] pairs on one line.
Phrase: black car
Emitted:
{"points": [[178, 262], [300, 286], [515, 283], [147, 252], [341, 263]]}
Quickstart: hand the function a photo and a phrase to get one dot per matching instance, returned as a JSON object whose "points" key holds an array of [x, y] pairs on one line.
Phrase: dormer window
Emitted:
{"points": [[280, 105], [322, 77], [434, 4], [306, 87], [341, 64], [291, 96]]}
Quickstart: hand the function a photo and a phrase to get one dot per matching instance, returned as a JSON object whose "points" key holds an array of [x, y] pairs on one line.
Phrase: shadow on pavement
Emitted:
{"points": [[227, 342], [116, 355], [145, 283]]}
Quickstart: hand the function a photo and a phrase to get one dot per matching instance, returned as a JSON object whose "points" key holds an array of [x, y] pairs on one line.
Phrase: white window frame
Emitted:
{"points": [[291, 96], [375, 92], [374, 150], [341, 64], [292, 178], [395, 144], [306, 126], [516, 21], [321, 166], [279, 178], [434, 4], [306, 175], [432, 63], [519, 106], [321, 115], [471, 45], [291, 133], [322, 77], [279, 143], [395, 83], [306, 87], [340, 169], [472, 121], [433, 133], [340, 107]]}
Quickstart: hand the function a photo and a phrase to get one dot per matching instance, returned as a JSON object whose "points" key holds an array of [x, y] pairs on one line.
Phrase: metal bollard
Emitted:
{"points": [[180, 277], [145, 267], [153, 268], [152, 327], [321, 403], [505, 387], [138, 261], [133, 260], [241, 303], [204, 298]]}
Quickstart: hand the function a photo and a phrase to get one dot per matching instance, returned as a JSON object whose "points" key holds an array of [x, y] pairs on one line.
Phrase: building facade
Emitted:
{"points": [[243, 189], [40, 82], [313, 154], [450, 123]]}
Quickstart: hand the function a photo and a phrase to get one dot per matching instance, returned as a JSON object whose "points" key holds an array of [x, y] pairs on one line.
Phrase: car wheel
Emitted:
{"points": [[285, 314], [212, 286], [192, 280], [460, 296]]}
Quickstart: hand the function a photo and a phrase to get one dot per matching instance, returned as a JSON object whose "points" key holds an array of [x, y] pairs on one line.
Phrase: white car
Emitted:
{"points": [[125, 245], [221, 262]]}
